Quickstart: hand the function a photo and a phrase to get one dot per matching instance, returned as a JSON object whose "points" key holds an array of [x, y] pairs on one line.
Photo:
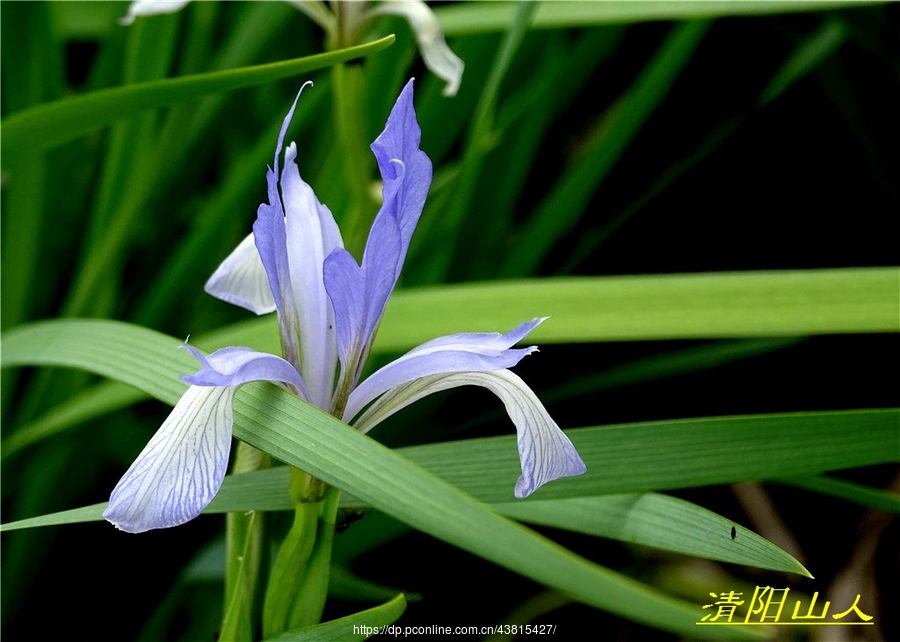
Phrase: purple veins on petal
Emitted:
{"points": [[545, 452], [464, 352], [181, 469]]}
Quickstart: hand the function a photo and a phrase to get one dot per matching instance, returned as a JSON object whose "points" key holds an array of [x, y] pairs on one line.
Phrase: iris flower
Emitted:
{"points": [[329, 308]]}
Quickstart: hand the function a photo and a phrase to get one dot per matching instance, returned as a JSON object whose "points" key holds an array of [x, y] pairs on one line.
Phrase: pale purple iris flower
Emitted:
{"points": [[329, 308]]}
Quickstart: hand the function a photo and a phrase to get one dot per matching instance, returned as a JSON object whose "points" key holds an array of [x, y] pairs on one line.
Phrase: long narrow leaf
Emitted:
{"points": [[368, 623], [632, 308], [51, 124], [480, 17]]}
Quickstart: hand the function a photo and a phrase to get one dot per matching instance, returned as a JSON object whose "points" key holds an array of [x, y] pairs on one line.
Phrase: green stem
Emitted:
{"points": [[350, 122], [244, 537], [298, 584]]}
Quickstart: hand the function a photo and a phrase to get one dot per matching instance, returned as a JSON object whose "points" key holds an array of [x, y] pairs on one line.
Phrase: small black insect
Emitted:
{"points": [[733, 532], [347, 517]]}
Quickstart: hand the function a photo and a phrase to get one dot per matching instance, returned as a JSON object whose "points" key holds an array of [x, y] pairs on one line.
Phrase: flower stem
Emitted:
{"points": [[298, 583], [244, 536]]}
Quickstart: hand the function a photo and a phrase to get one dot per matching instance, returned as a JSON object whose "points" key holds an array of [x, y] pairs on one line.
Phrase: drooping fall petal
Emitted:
{"points": [[464, 352], [182, 467], [545, 453]]}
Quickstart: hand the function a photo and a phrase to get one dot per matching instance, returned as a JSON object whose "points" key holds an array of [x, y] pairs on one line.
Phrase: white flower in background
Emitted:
{"points": [[438, 57]]}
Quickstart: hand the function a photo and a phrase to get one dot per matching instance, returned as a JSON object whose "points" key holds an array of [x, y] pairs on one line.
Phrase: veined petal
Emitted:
{"points": [[241, 280], [181, 468], [406, 177], [234, 366], [150, 8], [438, 57], [545, 453], [312, 234], [270, 232], [473, 351]]}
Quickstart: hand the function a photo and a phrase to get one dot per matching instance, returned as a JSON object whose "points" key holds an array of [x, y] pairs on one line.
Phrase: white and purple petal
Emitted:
{"points": [[241, 280], [269, 228], [182, 467], [234, 366], [545, 453], [464, 352], [438, 57], [151, 8], [312, 235]]}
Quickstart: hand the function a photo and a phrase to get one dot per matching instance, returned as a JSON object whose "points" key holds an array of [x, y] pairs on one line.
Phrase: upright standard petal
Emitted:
{"points": [[545, 453], [312, 234], [269, 229], [181, 468], [359, 293], [465, 352]]}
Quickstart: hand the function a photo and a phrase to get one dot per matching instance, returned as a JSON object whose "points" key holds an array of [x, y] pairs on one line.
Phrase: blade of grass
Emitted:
{"points": [[872, 497], [561, 209], [51, 124], [479, 17], [657, 521], [371, 620], [676, 306], [479, 140]]}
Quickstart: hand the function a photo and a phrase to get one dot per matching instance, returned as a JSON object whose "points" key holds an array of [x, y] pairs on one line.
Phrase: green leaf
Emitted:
{"points": [[661, 455], [631, 308], [50, 124], [648, 519], [480, 17], [295, 432], [659, 521], [100, 399], [872, 497], [368, 622]]}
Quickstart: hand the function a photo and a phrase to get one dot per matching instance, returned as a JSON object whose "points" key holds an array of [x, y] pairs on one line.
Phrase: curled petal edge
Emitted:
{"points": [[464, 352], [438, 57], [545, 452], [182, 467]]}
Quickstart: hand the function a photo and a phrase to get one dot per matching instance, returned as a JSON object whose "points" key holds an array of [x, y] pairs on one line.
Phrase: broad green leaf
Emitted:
{"points": [[663, 455], [50, 124], [480, 17], [631, 308], [280, 424], [368, 622], [109, 396]]}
